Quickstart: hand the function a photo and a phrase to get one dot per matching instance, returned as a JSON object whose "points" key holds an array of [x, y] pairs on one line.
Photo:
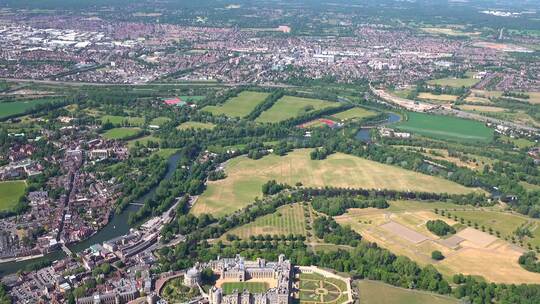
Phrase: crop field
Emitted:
{"points": [[435, 97], [374, 292], [253, 287], [315, 289], [290, 106], [446, 127], [10, 193], [122, 120], [121, 133], [454, 82], [246, 176], [488, 109], [195, 125], [239, 106], [20, 107], [354, 113], [286, 220], [159, 121], [469, 251]]}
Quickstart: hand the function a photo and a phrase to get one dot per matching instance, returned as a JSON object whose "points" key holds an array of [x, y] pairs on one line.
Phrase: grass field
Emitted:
{"points": [[121, 133], [253, 287], [470, 252], [455, 82], [20, 107], [291, 106], [286, 220], [503, 222], [478, 108], [315, 288], [120, 120], [193, 99], [520, 142], [159, 121], [10, 193], [441, 97], [354, 113], [239, 106], [372, 292], [195, 125], [246, 176], [472, 161], [446, 127]]}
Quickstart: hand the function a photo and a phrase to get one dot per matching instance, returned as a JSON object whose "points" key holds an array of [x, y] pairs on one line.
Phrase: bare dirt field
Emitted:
{"points": [[404, 232]]}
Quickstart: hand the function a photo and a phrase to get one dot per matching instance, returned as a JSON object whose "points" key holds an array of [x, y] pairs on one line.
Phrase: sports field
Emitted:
{"points": [[253, 287], [10, 193], [20, 107], [286, 220], [121, 133], [315, 288], [446, 127], [291, 106], [454, 82], [469, 251], [239, 106], [354, 113], [373, 292], [195, 125], [246, 176], [122, 120]]}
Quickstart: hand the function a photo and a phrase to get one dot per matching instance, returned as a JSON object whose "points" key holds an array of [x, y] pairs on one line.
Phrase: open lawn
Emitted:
{"points": [[20, 107], [435, 97], [159, 121], [454, 82], [193, 99], [246, 176], [446, 127], [373, 292], [122, 120], [286, 220], [239, 106], [121, 133], [505, 223], [10, 193], [290, 106], [195, 125], [253, 287], [354, 113]]}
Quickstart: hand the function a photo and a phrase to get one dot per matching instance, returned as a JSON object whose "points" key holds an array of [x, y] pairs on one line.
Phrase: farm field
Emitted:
{"points": [[315, 288], [253, 287], [445, 127], [121, 133], [246, 176], [534, 97], [159, 121], [441, 97], [478, 108], [375, 292], [121, 120], [20, 107], [290, 106], [239, 106], [10, 193], [455, 82], [469, 251], [354, 113], [286, 220], [195, 125]]}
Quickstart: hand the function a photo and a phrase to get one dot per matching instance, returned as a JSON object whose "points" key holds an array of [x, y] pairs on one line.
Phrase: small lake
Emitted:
{"points": [[364, 133]]}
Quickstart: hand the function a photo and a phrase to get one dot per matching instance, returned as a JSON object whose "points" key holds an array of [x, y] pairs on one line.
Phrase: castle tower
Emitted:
{"points": [[192, 277], [215, 295]]}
